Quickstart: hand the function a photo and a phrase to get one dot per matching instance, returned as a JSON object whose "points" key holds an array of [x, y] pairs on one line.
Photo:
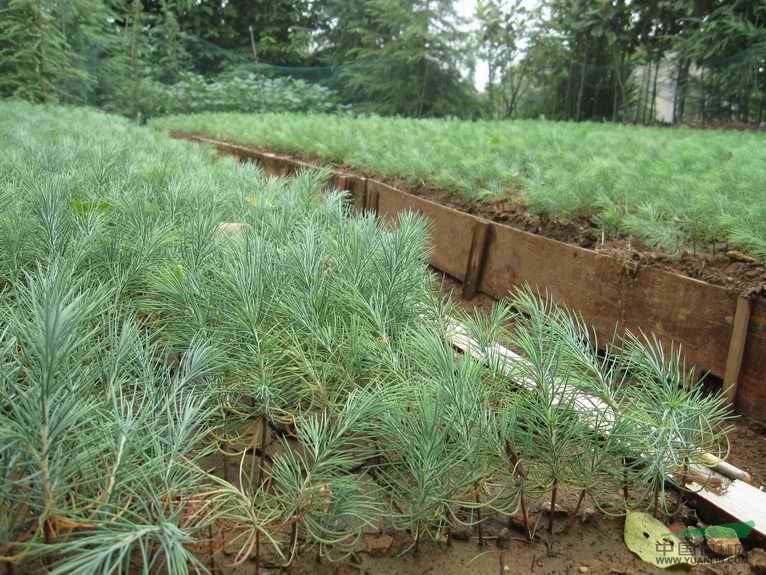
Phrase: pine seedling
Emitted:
{"points": [[673, 421], [320, 494], [458, 385], [554, 411], [437, 457]]}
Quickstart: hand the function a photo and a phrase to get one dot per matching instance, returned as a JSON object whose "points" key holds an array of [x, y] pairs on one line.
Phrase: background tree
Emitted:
{"points": [[502, 37], [597, 60], [408, 59], [37, 62]]}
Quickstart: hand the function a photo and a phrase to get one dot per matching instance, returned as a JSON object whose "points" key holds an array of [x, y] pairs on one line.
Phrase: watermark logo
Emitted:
{"points": [[741, 530], [677, 547]]}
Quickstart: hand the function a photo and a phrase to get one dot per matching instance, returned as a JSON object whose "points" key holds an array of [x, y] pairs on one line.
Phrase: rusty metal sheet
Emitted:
{"points": [[451, 231]]}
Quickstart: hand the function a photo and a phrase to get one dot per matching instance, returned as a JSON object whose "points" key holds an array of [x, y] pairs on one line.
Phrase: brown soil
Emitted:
{"points": [[480, 303], [715, 264], [593, 545], [748, 449], [596, 548]]}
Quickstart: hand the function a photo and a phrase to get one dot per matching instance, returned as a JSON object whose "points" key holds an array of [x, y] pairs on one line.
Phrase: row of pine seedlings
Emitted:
{"points": [[177, 395]]}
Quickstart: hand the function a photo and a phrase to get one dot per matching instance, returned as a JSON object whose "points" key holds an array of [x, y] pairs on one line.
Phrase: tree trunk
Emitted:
{"points": [[639, 113], [653, 107], [681, 85], [646, 88], [490, 89], [615, 92], [581, 89], [568, 93], [702, 101]]}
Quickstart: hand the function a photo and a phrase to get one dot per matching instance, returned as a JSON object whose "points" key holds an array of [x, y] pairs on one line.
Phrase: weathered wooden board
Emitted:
{"points": [[580, 279], [737, 343], [751, 390], [451, 231], [694, 314], [479, 241], [356, 186]]}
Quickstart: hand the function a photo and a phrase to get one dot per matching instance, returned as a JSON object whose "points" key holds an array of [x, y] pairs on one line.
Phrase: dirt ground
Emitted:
{"points": [[595, 549], [748, 449], [593, 545]]}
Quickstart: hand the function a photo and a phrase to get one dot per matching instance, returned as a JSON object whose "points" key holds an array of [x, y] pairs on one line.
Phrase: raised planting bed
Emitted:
{"points": [[685, 200], [719, 330]]}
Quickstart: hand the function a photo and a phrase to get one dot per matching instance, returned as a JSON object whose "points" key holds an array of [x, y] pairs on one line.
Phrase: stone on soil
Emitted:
{"points": [[756, 558], [723, 541], [378, 545]]}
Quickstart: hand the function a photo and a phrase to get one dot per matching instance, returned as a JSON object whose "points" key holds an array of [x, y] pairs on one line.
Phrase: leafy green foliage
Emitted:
{"points": [[406, 59], [36, 61], [250, 93]]}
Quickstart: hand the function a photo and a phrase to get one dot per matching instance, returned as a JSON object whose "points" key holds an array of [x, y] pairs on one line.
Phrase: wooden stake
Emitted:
{"points": [[736, 348], [371, 199], [476, 256], [359, 193]]}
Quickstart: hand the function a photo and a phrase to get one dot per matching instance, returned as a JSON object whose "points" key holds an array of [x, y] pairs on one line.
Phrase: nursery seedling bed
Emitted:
{"points": [[715, 264], [456, 243], [705, 319], [237, 307]]}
